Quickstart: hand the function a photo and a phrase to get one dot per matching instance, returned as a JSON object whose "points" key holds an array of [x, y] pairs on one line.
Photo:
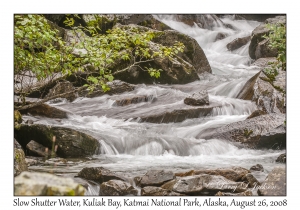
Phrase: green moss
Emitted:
{"points": [[17, 116], [71, 193], [247, 132]]}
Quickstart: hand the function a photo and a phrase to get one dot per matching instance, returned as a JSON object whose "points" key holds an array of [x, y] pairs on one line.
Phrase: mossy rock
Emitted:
{"points": [[71, 143], [17, 116], [20, 164], [44, 184]]}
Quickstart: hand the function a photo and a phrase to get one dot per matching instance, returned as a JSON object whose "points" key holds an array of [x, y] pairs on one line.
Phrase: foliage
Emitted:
{"points": [[277, 40], [40, 50]]}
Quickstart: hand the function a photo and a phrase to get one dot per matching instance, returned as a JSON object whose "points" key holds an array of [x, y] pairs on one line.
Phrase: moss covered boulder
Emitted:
{"points": [[70, 142], [258, 47], [182, 68], [20, 164], [44, 184], [192, 53], [17, 119]]}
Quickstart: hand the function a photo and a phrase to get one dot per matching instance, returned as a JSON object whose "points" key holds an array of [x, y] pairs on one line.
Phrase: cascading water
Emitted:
{"points": [[133, 147]]}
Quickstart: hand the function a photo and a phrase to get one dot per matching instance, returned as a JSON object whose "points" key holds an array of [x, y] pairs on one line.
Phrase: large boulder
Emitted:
{"points": [[35, 149], [237, 43], [257, 48], [117, 188], [268, 91], [156, 178], [281, 158], [44, 184], [63, 87], [266, 131], [274, 184], [20, 164], [206, 185], [197, 99], [177, 115], [71, 143], [46, 110], [193, 53], [99, 174], [182, 68], [257, 167]]}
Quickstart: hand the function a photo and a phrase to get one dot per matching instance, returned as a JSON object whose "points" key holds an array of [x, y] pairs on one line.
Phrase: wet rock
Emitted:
{"points": [[71, 143], [175, 70], [251, 180], [44, 184], [206, 185], [257, 167], [275, 183], [268, 97], [281, 158], [256, 113], [137, 180], [192, 54], [197, 99], [20, 164], [17, 145], [177, 115], [237, 43], [46, 111], [259, 32], [169, 185], [263, 50], [156, 178], [220, 36], [116, 87], [41, 89], [246, 193], [157, 191], [117, 188], [29, 122], [99, 174], [233, 174], [63, 87], [265, 131], [35, 149], [133, 100]]}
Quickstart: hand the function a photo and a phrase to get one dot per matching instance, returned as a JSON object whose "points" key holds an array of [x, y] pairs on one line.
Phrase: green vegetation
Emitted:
{"points": [[277, 40], [40, 50], [247, 132]]}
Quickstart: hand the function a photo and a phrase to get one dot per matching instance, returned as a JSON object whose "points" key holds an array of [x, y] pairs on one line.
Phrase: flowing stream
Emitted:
{"points": [[132, 147]]}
